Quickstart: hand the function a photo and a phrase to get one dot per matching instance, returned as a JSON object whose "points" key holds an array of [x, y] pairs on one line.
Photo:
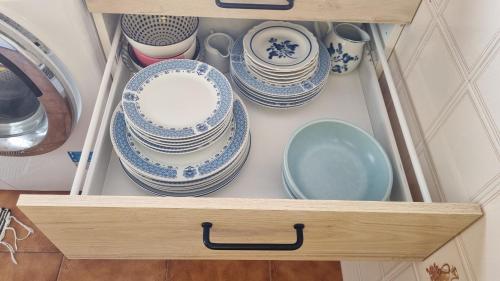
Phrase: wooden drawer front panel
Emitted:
{"points": [[170, 228], [388, 11]]}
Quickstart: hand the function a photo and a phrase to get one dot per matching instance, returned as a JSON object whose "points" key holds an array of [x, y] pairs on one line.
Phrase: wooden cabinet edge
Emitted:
{"points": [[471, 209], [380, 11]]}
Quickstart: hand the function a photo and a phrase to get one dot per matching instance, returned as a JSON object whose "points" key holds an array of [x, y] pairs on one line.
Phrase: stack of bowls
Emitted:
{"points": [[154, 38], [279, 64], [335, 160], [178, 131]]}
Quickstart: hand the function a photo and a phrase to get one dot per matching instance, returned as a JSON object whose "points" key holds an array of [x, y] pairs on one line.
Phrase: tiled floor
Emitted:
{"points": [[39, 260]]}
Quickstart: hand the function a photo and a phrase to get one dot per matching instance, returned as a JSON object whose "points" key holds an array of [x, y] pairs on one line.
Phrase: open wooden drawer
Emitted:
{"points": [[386, 11], [112, 218]]}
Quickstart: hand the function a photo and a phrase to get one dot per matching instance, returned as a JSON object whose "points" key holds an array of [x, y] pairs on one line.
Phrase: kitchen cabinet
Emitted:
{"points": [[107, 216]]}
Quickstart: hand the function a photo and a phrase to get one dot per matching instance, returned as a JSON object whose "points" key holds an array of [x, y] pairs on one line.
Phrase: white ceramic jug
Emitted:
{"points": [[345, 43], [217, 50]]}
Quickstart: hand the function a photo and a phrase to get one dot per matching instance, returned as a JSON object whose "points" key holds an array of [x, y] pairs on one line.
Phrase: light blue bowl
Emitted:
{"points": [[335, 160]]}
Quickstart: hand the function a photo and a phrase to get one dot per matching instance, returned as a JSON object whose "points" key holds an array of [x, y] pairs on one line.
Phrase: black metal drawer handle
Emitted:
{"points": [[299, 228], [255, 6]]}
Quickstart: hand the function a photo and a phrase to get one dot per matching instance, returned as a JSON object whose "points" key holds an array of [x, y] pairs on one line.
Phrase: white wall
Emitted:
{"points": [[447, 69]]}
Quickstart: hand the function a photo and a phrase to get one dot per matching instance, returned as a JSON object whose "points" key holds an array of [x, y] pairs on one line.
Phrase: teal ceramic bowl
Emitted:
{"points": [[334, 160]]}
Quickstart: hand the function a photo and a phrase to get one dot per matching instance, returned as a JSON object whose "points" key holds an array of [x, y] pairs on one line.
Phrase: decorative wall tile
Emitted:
{"points": [[488, 84], [482, 244], [412, 35], [407, 275], [473, 25], [370, 271], [448, 254], [462, 153], [433, 80], [387, 267], [438, 4], [350, 271]]}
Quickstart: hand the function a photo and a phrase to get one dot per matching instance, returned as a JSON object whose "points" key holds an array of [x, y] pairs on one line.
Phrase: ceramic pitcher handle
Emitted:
{"points": [[318, 27]]}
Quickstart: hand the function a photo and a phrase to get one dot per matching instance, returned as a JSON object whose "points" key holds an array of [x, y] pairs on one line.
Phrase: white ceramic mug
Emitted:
{"points": [[217, 50], [345, 43]]}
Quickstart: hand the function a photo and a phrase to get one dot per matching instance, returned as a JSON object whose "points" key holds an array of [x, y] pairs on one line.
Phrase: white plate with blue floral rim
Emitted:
{"points": [[171, 148], [193, 186], [243, 74], [242, 88], [180, 167], [185, 142], [246, 91], [277, 104], [274, 80], [281, 46], [177, 99], [212, 187]]}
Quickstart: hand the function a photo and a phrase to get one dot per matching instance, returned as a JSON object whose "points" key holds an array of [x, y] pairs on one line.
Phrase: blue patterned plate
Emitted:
{"points": [[243, 88], [193, 186], [178, 147], [190, 186], [209, 189], [280, 46], [183, 167], [240, 71], [274, 104], [177, 99]]}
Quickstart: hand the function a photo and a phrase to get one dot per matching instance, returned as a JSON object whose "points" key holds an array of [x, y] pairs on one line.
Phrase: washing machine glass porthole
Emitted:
{"points": [[37, 103]]}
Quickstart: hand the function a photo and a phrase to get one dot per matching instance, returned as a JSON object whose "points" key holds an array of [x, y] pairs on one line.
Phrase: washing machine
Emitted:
{"points": [[51, 64]]}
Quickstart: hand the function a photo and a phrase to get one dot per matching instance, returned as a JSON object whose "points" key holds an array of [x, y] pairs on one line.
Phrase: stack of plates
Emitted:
{"points": [[279, 64], [178, 131], [178, 106]]}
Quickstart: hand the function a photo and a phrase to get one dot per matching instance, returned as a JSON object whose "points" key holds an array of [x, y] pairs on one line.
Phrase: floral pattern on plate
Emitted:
{"points": [[283, 49]]}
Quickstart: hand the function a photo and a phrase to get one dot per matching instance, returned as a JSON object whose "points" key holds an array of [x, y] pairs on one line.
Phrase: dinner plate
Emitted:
{"points": [[177, 99], [194, 186], [282, 46], [164, 148], [214, 187], [185, 141], [272, 73], [185, 167], [177, 147], [281, 80], [241, 87], [256, 85], [283, 105]]}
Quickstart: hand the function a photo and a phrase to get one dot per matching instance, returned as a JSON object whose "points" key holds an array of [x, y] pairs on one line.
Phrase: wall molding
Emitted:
{"points": [[445, 112]]}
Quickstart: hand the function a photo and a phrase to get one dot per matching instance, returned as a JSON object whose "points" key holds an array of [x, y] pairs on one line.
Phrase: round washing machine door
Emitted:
{"points": [[38, 107]]}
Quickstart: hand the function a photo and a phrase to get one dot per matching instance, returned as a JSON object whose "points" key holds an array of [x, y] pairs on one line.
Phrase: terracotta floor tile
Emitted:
{"points": [[30, 267], [110, 270], [305, 271], [218, 271], [37, 242]]}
